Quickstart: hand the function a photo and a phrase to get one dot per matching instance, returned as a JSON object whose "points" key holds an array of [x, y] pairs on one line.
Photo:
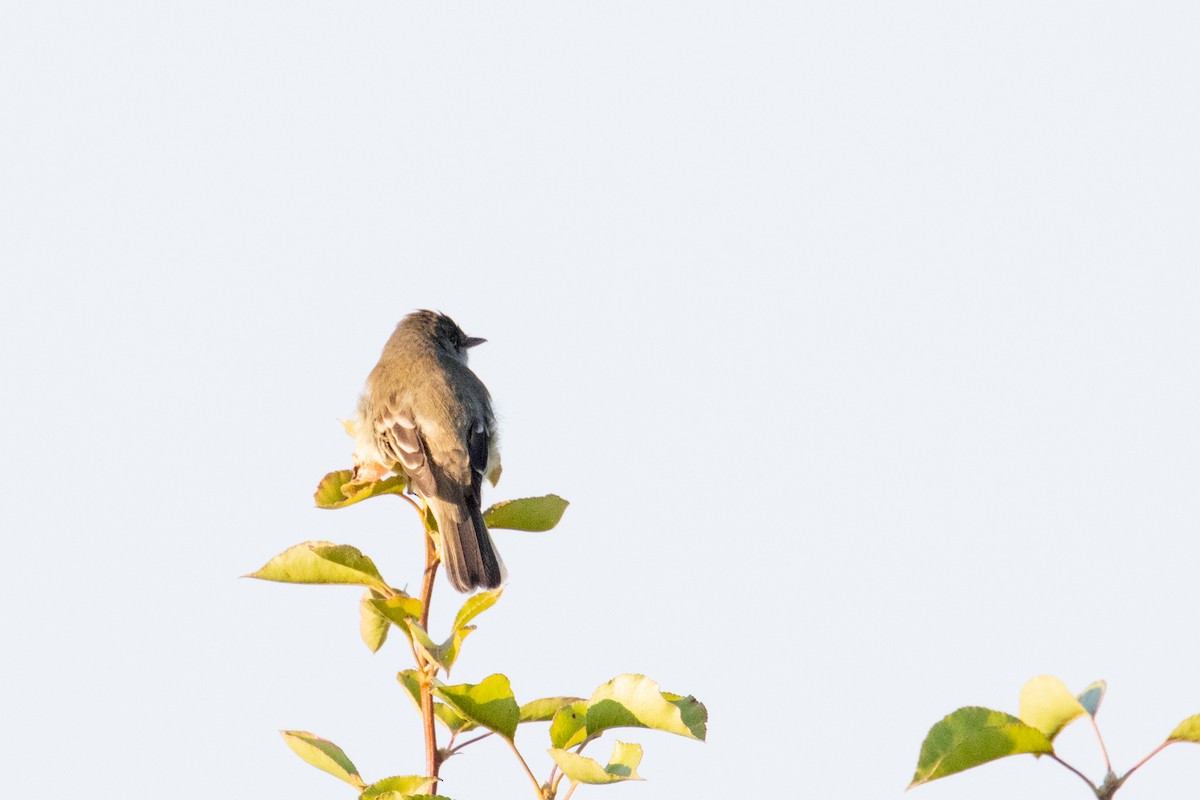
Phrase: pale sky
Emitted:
{"points": [[862, 337]]}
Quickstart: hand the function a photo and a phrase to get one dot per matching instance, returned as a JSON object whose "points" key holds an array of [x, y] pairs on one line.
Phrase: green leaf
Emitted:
{"points": [[569, 725], [581, 769], [1186, 731], [410, 679], [635, 701], [526, 513], [1091, 697], [475, 605], [321, 562], [324, 755], [401, 785], [544, 708], [972, 736], [1048, 705], [449, 649], [339, 489], [443, 655], [399, 609], [489, 703], [372, 626]]}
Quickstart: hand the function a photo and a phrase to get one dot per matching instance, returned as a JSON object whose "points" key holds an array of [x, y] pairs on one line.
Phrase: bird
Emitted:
{"points": [[426, 413]]}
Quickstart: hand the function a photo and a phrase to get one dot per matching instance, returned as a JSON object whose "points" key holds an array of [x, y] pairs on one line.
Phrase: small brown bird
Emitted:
{"points": [[425, 412]]}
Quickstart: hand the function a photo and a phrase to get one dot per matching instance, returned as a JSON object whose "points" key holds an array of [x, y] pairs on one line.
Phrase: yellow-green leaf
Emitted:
{"points": [[475, 605], [321, 562], [581, 769], [568, 727], [1048, 705], [398, 609], [526, 513], [1091, 697], [443, 655], [489, 703], [636, 701], [1186, 731], [339, 489], [372, 626], [324, 755], [972, 736], [410, 679], [401, 785], [544, 708]]}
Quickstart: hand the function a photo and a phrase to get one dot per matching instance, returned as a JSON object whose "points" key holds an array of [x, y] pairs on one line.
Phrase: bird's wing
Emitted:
{"points": [[401, 438], [478, 440]]}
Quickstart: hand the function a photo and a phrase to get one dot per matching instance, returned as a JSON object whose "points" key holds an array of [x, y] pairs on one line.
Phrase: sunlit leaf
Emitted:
{"points": [[398, 609], [410, 679], [475, 605], [972, 736], [321, 562], [339, 489], [1187, 731], [526, 513], [324, 755], [1048, 705], [372, 626], [401, 785], [448, 651], [489, 703], [568, 726], [636, 701], [581, 769], [1091, 697], [544, 708], [443, 655]]}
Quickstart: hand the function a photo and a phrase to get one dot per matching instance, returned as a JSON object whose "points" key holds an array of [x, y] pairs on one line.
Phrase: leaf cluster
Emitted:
{"points": [[974, 735], [488, 708]]}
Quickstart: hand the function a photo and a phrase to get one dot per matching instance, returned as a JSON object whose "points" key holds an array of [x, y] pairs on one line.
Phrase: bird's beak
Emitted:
{"points": [[474, 340]]}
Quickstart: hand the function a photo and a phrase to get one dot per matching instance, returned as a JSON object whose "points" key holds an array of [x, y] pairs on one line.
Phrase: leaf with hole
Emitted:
{"points": [[636, 701], [568, 726]]}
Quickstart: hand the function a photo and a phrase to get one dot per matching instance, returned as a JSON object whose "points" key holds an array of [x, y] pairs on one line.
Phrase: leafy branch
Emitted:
{"points": [[487, 707], [972, 736]]}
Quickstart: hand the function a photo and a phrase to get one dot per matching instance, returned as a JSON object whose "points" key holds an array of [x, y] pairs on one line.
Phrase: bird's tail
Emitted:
{"points": [[470, 557]]}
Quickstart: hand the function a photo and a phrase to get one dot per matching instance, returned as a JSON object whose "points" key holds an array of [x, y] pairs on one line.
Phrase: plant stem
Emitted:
{"points": [[432, 762], [1082, 777], [1103, 749], [570, 791], [467, 742], [1152, 754], [537, 786], [431, 565]]}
